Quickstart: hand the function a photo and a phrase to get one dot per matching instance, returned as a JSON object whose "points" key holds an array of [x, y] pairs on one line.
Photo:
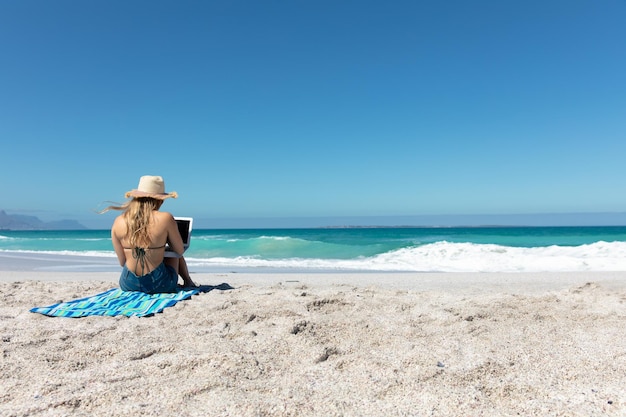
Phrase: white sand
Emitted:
{"points": [[323, 345]]}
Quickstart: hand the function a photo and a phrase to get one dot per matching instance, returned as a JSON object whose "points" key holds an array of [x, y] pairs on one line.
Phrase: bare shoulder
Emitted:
{"points": [[164, 216], [119, 222], [119, 226]]}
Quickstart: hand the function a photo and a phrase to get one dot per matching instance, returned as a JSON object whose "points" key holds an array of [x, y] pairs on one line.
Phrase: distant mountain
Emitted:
{"points": [[21, 222]]}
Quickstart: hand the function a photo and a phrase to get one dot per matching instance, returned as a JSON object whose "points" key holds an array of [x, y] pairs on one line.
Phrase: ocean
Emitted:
{"points": [[428, 249]]}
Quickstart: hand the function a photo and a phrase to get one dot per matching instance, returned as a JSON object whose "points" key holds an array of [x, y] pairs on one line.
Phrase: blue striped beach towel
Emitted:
{"points": [[116, 302]]}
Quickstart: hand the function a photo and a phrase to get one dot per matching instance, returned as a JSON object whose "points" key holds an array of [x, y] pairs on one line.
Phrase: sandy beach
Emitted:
{"points": [[287, 344]]}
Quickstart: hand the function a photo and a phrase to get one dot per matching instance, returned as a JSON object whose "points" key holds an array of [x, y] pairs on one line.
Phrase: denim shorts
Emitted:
{"points": [[163, 279]]}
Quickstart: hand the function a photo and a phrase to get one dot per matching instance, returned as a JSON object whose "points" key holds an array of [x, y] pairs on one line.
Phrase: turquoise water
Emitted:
{"points": [[385, 249], [347, 243]]}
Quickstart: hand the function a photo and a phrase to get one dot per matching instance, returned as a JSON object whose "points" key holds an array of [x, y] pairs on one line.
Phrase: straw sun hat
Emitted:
{"points": [[151, 186]]}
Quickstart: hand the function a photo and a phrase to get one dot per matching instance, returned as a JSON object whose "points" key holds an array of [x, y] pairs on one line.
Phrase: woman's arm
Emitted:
{"points": [[173, 235], [117, 244]]}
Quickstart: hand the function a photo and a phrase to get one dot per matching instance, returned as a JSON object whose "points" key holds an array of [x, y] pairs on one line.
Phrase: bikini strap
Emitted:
{"points": [[140, 255], [154, 247]]}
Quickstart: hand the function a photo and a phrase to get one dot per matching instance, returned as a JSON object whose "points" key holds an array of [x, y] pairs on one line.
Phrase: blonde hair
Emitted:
{"points": [[137, 215]]}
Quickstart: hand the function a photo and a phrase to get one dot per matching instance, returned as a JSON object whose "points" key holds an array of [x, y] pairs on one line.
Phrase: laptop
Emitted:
{"points": [[185, 225]]}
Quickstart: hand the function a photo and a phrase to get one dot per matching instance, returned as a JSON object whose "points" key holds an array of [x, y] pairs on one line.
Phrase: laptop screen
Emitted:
{"points": [[185, 224], [184, 227]]}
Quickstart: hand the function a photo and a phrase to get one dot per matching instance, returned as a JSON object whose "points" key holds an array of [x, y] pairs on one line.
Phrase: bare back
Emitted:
{"points": [[162, 230]]}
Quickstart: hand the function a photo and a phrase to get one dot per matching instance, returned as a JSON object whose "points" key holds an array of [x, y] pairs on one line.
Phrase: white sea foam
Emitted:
{"points": [[90, 253], [454, 257], [435, 257]]}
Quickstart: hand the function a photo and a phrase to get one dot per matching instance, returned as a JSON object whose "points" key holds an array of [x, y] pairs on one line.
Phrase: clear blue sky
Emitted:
{"points": [[314, 108]]}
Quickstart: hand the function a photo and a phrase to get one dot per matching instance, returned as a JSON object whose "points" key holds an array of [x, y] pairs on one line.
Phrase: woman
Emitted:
{"points": [[139, 237]]}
